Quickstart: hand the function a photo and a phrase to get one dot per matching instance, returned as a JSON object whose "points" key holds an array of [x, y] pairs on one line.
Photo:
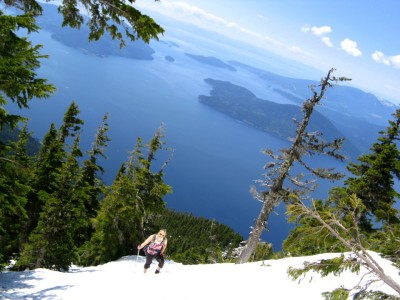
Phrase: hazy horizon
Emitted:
{"points": [[356, 38]]}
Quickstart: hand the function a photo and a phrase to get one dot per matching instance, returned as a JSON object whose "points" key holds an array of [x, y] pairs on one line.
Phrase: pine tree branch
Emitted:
{"points": [[355, 247]]}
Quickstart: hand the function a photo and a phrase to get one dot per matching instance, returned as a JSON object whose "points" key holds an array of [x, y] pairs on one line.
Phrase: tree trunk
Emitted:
{"points": [[274, 196], [259, 226]]}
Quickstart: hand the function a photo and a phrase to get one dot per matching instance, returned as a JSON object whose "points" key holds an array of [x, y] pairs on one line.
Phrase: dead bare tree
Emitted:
{"points": [[304, 143]]}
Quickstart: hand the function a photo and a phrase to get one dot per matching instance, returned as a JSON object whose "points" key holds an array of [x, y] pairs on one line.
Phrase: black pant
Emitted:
{"points": [[149, 259]]}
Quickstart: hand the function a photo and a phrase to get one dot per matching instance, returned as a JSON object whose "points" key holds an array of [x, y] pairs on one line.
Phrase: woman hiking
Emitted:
{"points": [[158, 244]]}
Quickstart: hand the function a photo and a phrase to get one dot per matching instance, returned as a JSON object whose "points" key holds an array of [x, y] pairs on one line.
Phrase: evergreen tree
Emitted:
{"points": [[308, 237], [355, 218], [373, 183], [91, 168], [19, 58], [71, 123], [51, 244], [212, 241], [150, 185], [18, 61], [48, 166], [374, 177], [136, 193], [19, 84], [91, 182], [50, 158], [15, 177], [303, 143]]}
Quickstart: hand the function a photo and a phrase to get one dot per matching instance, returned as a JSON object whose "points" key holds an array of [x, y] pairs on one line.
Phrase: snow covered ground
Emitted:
{"points": [[124, 279]]}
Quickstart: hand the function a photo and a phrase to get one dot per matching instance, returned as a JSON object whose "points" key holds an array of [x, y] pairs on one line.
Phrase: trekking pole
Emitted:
{"points": [[137, 256]]}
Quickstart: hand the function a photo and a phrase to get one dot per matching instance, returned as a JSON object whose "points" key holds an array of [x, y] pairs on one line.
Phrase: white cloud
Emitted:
{"points": [[380, 58], [395, 61], [298, 50], [200, 14], [305, 28], [212, 20], [320, 31], [350, 47], [199, 17], [391, 61], [327, 41]]}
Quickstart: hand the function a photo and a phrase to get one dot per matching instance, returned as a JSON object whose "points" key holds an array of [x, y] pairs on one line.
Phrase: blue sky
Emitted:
{"points": [[356, 37]]}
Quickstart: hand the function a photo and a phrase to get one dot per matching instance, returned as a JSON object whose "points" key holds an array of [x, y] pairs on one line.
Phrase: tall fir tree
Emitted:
{"points": [[136, 193], [92, 170], [374, 177], [52, 243], [92, 182], [15, 177], [358, 217], [50, 160], [71, 123]]}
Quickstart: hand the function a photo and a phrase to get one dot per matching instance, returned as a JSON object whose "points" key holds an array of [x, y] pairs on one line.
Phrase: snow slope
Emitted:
{"points": [[124, 279]]}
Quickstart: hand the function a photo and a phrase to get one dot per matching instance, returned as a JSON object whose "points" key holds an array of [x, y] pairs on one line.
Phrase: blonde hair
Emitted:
{"points": [[165, 231]]}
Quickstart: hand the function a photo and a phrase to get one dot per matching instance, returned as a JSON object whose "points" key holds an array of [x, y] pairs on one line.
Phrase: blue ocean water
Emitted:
{"points": [[215, 159]]}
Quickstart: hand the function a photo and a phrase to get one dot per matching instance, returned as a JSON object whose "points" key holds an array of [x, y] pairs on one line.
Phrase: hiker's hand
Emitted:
{"points": [[139, 246]]}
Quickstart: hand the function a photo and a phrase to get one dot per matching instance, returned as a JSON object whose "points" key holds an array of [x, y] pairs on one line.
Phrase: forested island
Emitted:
{"points": [[211, 61], [270, 117]]}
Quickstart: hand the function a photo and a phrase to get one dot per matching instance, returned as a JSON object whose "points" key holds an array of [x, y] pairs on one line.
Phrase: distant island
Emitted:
{"points": [[78, 39], [270, 117], [212, 61], [169, 43]]}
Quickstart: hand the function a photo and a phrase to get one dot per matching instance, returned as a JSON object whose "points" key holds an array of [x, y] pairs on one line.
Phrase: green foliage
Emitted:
{"points": [[18, 61], [19, 58], [341, 218], [71, 123], [110, 17], [373, 185], [49, 202], [51, 158], [326, 267], [374, 181], [8, 135], [387, 242], [309, 237], [195, 240], [337, 294], [46, 213], [263, 251], [51, 244], [15, 176], [342, 293], [94, 186], [136, 193], [116, 224]]}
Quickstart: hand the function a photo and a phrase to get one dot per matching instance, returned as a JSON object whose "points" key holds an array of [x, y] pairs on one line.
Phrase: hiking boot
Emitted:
{"points": [[157, 271]]}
